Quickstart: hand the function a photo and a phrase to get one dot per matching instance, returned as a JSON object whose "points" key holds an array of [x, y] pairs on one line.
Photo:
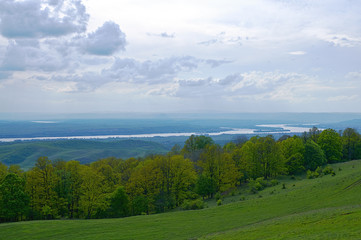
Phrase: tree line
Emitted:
{"points": [[113, 187]]}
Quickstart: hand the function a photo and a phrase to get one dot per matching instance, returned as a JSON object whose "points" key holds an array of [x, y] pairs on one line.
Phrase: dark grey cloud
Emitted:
{"points": [[105, 41], [36, 18]]}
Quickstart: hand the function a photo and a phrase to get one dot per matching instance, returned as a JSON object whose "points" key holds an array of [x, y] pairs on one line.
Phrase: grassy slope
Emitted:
{"points": [[26, 153], [324, 208]]}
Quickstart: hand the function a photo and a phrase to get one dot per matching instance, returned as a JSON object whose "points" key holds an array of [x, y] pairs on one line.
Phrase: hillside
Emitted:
{"points": [[26, 153], [321, 208]]}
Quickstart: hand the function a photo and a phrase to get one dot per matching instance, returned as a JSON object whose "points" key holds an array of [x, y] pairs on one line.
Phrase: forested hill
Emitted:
{"points": [[25, 154]]}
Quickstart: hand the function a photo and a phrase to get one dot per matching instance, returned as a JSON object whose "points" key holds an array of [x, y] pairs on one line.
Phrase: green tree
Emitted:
{"points": [[205, 186], [14, 202], [219, 166], [119, 203], [93, 195], [40, 184], [3, 171], [293, 150], [314, 155], [145, 183], [351, 144], [74, 181], [176, 174], [194, 146], [331, 143]]}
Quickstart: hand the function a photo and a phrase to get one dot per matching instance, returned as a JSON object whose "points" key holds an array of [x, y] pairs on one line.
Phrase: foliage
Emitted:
{"points": [[331, 143], [193, 204], [119, 203], [314, 155], [351, 144], [293, 151], [14, 202], [315, 209], [113, 187]]}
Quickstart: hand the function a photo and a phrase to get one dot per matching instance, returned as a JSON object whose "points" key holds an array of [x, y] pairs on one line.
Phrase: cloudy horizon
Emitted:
{"points": [[72, 56]]}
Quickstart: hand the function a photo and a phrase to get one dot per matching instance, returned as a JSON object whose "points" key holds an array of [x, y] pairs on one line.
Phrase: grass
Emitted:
{"points": [[322, 208]]}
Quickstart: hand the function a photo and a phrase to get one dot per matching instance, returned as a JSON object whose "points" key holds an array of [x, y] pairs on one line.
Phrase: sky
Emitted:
{"points": [[218, 56]]}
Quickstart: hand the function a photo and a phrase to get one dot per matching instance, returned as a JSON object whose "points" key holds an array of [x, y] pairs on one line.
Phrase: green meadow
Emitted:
{"points": [[328, 207]]}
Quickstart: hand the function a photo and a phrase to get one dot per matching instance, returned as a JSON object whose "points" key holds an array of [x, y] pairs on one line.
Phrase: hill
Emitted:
{"points": [[322, 208], [26, 153]]}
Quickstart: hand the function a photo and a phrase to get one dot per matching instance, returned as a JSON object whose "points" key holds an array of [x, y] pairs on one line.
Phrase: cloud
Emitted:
{"points": [[216, 63], [106, 40], [224, 38], [343, 98], [37, 19], [158, 71], [30, 54], [4, 75], [163, 35], [297, 53], [136, 73]]}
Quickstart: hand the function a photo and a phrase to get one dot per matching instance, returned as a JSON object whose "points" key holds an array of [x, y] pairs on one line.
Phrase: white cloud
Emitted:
{"points": [[297, 53], [36, 18]]}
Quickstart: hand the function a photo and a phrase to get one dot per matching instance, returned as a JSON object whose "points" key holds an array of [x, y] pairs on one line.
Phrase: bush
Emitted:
{"points": [[258, 184], [219, 202], [319, 172], [218, 196], [274, 182], [328, 170], [311, 174], [193, 204]]}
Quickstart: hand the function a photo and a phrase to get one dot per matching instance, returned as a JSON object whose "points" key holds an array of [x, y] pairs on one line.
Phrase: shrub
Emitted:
{"points": [[257, 185], [219, 202], [193, 204], [311, 174], [218, 196], [274, 182], [328, 170]]}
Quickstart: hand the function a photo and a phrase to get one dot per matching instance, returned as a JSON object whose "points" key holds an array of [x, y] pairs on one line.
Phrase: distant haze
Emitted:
{"points": [[226, 56]]}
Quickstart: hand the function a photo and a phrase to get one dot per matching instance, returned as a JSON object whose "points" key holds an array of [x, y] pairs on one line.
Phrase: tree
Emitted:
{"points": [[262, 157], [194, 146], [93, 195], [3, 171], [293, 150], [314, 155], [145, 183], [14, 202], [40, 184], [74, 181], [331, 143], [119, 203], [351, 144], [205, 186], [219, 166]]}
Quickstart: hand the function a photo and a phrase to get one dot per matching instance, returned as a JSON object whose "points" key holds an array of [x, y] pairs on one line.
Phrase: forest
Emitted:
{"points": [[181, 179]]}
